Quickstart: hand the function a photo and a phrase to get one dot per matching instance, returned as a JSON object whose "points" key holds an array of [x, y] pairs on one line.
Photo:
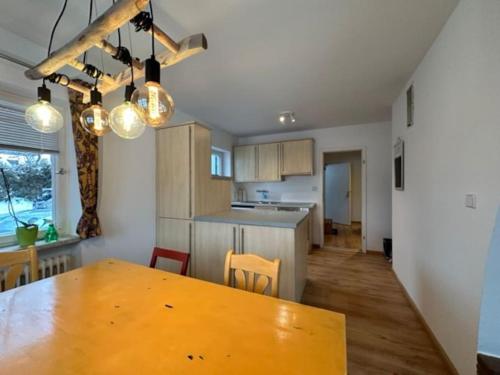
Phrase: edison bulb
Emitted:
{"points": [[95, 120], [127, 121], [42, 116], [154, 102]]}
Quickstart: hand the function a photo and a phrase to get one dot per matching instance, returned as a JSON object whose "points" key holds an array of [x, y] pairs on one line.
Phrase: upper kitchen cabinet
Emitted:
{"points": [[297, 158], [268, 162], [185, 187], [245, 163], [254, 163]]}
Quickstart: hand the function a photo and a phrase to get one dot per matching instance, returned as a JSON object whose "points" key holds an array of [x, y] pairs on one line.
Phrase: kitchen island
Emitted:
{"points": [[270, 234]]}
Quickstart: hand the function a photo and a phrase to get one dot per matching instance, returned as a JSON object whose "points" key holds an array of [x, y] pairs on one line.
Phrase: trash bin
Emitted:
{"points": [[388, 248]]}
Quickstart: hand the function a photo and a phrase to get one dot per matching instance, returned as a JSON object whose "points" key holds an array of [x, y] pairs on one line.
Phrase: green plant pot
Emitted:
{"points": [[26, 236]]}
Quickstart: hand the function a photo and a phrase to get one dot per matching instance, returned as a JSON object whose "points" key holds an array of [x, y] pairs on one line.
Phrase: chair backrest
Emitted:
{"points": [[14, 262], [252, 273], [170, 254]]}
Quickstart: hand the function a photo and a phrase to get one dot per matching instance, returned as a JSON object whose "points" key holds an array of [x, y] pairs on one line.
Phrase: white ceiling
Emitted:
{"points": [[333, 62]]}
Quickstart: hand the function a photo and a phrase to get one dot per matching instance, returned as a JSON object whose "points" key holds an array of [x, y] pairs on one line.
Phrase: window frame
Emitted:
{"points": [[22, 101], [10, 239], [226, 163]]}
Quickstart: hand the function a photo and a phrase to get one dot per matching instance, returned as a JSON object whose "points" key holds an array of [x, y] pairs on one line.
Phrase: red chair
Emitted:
{"points": [[170, 254]]}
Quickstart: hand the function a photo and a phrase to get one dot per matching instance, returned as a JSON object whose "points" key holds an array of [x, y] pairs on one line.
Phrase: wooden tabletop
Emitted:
{"points": [[114, 317]]}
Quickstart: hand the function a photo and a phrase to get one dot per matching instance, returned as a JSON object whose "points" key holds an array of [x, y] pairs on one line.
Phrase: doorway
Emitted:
{"points": [[343, 199]]}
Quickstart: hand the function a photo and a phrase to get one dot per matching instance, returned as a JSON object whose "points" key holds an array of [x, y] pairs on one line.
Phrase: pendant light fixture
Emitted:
{"points": [[42, 116], [95, 119], [127, 120], [155, 103]]}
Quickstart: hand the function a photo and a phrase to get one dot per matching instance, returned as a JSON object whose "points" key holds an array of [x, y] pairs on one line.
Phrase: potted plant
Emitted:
{"points": [[26, 234]]}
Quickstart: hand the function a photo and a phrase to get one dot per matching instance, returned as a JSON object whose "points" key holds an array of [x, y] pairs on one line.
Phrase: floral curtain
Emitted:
{"points": [[87, 163]]}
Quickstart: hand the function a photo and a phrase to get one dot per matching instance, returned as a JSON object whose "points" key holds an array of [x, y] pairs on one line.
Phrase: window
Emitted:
{"points": [[28, 160], [217, 158], [221, 162], [30, 176]]}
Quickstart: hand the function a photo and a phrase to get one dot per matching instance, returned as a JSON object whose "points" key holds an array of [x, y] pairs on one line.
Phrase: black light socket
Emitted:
{"points": [[152, 70], [95, 97], [129, 90], [44, 93]]}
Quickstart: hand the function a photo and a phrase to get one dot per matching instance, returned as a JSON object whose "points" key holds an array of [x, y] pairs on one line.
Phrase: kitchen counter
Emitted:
{"points": [[276, 204], [279, 219]]}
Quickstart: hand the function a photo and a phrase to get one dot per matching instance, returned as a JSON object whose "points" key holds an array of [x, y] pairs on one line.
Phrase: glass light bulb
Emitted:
{"points": [[127, 121], [42, 116], [95, 120], [155, 103]]}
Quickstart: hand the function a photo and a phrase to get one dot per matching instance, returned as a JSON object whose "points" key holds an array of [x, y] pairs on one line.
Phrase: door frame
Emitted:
{"points": [[364, 222]]}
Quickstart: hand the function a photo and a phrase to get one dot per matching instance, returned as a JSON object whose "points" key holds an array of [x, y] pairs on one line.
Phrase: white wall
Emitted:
{"points": [[354, 159], [439, 245], [375, 138]]}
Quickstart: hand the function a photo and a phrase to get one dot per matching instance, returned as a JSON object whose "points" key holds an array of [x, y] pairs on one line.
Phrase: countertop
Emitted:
{"points": [[276, 204], [279, 219]]}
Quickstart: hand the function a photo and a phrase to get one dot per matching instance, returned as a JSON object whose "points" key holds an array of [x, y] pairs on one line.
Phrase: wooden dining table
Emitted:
{"points": [[115, 317]]}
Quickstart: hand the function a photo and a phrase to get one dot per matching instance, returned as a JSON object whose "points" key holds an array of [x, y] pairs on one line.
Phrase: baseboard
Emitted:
{"points": [[428, 329], [375, 252], [316, 246]]}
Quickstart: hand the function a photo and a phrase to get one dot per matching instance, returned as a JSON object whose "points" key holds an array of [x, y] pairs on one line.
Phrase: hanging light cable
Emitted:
{"points": [[127, 120], [42, 116], [156, 104]]}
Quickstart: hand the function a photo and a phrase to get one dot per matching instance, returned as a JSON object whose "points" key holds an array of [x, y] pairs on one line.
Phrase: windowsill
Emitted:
{"points": [[228, 178], [42, 245]]}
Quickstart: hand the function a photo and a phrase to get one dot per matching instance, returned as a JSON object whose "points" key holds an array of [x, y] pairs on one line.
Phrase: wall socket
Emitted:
{"points": [[471, 200], [314, 188]]}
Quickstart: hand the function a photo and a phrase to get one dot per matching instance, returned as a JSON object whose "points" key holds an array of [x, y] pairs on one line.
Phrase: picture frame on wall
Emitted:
{"points": [[399, 164]]}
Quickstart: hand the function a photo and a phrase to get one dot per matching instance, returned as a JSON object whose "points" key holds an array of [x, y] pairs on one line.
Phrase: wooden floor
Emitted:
{"points": [[347, 237], [384, 336]]}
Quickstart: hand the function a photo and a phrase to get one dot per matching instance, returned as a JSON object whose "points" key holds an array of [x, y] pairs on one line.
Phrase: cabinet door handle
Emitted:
{"points": [[242, 241], [256, 151], [234, 239], [281, 158], [190, 270]]}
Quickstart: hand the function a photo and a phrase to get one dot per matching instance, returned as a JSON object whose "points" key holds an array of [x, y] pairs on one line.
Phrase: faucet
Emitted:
{"points": [[264, 194]]}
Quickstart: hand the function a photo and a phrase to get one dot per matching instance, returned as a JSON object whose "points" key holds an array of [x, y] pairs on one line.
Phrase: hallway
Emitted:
{"points": [[384, 336]]}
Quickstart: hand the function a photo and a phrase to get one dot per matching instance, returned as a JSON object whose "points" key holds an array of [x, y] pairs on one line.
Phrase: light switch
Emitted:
{"points": [[471, 200], [314, 188]]}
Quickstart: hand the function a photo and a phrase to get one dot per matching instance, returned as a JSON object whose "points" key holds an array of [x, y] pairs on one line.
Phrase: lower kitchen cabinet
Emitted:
{"points": [[212, 242], [290, 245], [175, 234]]}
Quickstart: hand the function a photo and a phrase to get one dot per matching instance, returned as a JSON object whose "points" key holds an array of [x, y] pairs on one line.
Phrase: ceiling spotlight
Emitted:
{"points": [[287, 118]]}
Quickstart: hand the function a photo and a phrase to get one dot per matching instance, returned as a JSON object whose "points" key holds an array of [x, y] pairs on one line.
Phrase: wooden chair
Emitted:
{"points": [[14, 263], [246, 266], [170, 254]]}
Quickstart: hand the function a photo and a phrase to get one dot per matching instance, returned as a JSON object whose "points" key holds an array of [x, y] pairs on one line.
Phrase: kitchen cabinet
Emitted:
{"points": [[268, 162], [254, 163], [290, 245], [176, 234], [245, 163], [185, 186], [212, 242], [297, 157]]}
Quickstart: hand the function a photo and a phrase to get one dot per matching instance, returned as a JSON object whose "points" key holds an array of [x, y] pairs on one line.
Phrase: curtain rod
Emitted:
{"points": [[15, 60]]}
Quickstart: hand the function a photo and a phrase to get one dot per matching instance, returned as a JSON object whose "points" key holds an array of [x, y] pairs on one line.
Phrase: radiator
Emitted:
{"points": [[47, 266]]}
